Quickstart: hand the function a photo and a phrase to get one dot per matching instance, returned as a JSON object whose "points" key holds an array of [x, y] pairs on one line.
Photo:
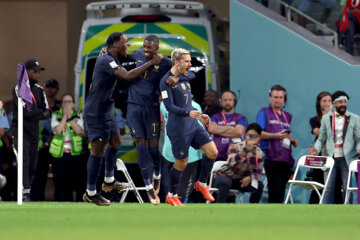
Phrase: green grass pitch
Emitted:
{"points": [[194, 221]]}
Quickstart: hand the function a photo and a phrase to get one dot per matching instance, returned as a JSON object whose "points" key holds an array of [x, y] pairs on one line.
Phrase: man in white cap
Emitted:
{"points": [[340, 131]]}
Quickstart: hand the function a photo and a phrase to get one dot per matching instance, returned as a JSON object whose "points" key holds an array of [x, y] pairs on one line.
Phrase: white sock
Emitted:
{"points": [[202, 184], [109, 179], [91, 193], [156, 177], [149, 187], [170, 195]]}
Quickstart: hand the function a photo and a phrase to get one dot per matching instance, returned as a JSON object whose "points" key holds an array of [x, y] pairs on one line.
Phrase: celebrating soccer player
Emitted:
{"points": [[183, 129], [100, 117], [143, 115]]}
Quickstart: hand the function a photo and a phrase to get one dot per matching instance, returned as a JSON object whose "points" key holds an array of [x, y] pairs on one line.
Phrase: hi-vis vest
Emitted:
{"points": [[57, 143]]}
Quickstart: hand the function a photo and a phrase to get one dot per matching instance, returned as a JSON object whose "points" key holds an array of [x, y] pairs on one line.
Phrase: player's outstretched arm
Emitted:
{"points": [[129, 76]]}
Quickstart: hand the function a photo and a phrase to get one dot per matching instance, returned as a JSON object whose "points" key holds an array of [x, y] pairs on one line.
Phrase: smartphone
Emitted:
{"points": [[287, 131]]}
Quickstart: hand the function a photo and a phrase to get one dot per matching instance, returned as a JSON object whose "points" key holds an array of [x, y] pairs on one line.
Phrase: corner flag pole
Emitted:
{"points": [[24, 98], [20, 153]]}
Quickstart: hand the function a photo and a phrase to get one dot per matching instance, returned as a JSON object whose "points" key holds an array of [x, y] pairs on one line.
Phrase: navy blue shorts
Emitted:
{"points": [[180, 144], [100, 129], [144, 121]]}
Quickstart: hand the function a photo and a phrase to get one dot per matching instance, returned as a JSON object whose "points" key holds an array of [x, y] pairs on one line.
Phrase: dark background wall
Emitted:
{"points": [[49, 31]]}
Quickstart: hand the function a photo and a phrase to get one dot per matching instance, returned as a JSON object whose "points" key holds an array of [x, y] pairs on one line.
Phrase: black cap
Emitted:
{"points": [[52, 83], [34, 65]]}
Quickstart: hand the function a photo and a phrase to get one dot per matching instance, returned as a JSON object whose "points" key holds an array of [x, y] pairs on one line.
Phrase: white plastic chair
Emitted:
{"points": [[352, 170], [314, 162], [120, 166], [216, 167]]}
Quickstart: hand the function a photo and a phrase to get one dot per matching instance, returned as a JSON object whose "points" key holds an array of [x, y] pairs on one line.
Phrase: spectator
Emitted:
{"points": [[66, 147], [46, 135], [39, 111], [244, 167], [277, 143], [323, 104], [227, 125], [211, 101], [340, 133], [304, 5], [4, 125], [51, 91], [348, 24], [191, 173]]}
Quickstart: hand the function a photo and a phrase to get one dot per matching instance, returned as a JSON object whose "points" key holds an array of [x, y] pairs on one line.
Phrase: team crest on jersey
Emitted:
{"points": [[133, 131], [156, 68], [188, 85], [183, 86], [182, 153]]}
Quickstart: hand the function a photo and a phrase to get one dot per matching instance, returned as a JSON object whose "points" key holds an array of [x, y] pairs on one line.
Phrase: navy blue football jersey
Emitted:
{"points": [[99, 102], [177, 100], [145, 89]]}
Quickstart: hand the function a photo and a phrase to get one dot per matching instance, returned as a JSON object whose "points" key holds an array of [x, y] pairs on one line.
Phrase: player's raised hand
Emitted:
{"points": [[172, 80], [205, 120], [103, 51], [157, 58], [195, 114]]}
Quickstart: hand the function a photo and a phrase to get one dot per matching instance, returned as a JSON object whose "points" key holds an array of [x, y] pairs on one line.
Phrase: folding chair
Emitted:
{"points": [[216, 167], [315, 162], [120, 166], [352, 170]]}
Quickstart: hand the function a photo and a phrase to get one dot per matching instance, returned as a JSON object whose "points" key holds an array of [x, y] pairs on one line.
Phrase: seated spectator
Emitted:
{"points": [[304, 5], [66, 147], [348, 24], [244, 167], [211, 101], [227, 126]]}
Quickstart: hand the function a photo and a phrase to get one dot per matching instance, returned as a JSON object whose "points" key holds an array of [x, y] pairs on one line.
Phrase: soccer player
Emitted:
{"points": [[143, 115], [183, 129], [100, 118]]}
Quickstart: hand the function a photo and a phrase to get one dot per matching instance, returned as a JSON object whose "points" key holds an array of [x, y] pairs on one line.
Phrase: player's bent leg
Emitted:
{"points": [[153, 145], [93, 170], [111, 151], [207, 163]]}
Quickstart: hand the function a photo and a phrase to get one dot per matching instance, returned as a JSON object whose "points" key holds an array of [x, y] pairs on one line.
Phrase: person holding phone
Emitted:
{"points": [[243, 168], [277, 143]]}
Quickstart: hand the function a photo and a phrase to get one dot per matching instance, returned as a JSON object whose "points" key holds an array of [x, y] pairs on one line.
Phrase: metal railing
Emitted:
{"points": [[288, 11]]}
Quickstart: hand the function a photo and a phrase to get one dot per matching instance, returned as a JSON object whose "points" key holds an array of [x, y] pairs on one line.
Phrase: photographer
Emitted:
{"points": [[244, 167]]}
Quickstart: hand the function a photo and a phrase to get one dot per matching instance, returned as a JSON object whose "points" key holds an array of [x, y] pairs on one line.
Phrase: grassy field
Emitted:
{"points": [[194, 221]]}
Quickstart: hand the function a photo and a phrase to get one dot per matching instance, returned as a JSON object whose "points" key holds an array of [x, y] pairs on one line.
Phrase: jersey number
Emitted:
{"points": [[155, 126], [187, 98]]}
